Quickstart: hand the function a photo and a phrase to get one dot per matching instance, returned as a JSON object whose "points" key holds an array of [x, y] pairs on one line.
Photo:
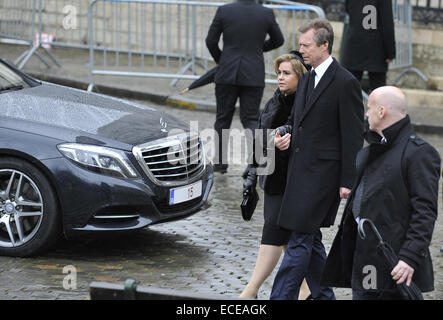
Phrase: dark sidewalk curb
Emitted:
{"points": [[428, 128], [176, 101]]}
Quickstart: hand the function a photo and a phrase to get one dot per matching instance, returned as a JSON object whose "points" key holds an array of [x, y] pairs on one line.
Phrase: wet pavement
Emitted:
{"points": [[211, 252]]}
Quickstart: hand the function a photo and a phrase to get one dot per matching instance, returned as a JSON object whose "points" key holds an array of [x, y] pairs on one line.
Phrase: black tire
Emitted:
{"points": [[48, 229]]}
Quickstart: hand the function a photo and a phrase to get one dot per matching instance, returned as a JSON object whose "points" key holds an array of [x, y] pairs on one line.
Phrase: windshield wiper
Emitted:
{"points": [[12, 87]]}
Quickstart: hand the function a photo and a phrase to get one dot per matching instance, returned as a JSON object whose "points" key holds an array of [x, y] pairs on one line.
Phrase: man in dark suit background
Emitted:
{"points": [[241, 70], [369, 43], [327, 133]]}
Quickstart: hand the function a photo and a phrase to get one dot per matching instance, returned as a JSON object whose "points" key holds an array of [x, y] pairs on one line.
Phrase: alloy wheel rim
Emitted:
{"points": [[21, 208]]}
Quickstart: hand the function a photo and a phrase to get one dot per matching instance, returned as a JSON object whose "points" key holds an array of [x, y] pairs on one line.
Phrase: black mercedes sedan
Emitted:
{"points": [[73, 161]]}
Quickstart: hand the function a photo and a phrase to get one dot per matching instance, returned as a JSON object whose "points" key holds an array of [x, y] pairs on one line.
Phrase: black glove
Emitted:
{"points": [[251, 179], [287, 128]]}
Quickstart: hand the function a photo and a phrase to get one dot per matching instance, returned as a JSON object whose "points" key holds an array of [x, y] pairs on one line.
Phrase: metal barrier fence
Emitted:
{"points": [[154, 38], [402, 12], [17, 22], [64, 20], [41, 24], [166, 39]]}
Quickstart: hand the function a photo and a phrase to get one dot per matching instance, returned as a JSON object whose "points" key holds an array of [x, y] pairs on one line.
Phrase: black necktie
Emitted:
{"points": [[311, 83]]}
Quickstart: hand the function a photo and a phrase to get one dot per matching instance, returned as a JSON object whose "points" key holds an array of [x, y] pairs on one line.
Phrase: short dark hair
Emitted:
{"points": [[323, 32]]}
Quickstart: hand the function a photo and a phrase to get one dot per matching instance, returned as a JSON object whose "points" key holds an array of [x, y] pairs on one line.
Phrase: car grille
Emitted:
{"points": [[164, 207], [173, 160]]}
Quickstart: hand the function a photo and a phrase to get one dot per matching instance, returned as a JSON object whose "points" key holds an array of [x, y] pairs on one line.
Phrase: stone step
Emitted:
{"points": [[436, 82], [428, 98]]}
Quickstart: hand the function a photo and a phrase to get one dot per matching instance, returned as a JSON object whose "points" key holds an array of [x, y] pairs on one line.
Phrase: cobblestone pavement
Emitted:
{"points": [[213, 251]]}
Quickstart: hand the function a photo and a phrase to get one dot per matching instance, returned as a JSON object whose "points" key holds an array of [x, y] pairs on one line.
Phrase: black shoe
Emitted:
{"points": [[222, 168]]}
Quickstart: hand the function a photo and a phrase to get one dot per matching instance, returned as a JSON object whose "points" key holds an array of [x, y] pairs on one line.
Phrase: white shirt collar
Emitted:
{"points": [[321, 69]]}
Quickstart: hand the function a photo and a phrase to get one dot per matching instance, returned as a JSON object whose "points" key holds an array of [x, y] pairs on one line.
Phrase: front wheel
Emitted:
{"points": [[29, 220]]}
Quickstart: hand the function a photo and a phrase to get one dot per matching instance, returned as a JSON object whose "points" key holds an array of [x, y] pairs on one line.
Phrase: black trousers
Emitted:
{"points": [[376, 79], [305, 257], [226, 98]]}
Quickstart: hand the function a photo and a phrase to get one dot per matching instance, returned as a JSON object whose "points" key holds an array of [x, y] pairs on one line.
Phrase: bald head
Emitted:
{"points": [[386, 106], [391, 98]]}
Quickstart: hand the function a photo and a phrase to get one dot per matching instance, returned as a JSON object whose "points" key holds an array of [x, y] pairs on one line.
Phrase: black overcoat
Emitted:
{"points": [[400, 196], [327, 133], [275, 114], [368, 49], [244, 25]]}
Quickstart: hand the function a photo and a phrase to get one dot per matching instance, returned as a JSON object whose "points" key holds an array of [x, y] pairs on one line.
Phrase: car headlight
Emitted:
{"points": [[102, 160]]}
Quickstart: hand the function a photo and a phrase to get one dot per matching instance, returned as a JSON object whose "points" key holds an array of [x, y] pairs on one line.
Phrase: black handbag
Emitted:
{"points": [[250, 199]]}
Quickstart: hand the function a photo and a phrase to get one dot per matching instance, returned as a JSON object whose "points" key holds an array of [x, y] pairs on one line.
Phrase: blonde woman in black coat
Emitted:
{"points": [[289, 68]]}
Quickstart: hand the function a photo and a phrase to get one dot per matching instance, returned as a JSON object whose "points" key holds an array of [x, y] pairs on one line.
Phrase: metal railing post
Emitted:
{"points": [[25, 58], [91, 46], [404, 59]]}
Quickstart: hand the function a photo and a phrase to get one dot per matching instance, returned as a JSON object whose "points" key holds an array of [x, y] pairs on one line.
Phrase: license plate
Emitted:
{"points": [[186, 193]]}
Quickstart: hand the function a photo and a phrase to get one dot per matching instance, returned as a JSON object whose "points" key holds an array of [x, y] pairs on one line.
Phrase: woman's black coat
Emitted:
{"points": [[367, 49], [274, 115]]}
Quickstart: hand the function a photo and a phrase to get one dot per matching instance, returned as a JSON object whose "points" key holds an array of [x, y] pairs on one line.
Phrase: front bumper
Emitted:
{"points": [[96, 202]]}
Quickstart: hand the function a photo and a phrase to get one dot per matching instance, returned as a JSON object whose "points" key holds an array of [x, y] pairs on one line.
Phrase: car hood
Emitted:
{"points": [[48, 105]]}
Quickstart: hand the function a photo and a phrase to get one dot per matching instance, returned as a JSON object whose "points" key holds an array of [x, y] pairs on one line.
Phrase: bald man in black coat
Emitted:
{"points": [[396, 188]]}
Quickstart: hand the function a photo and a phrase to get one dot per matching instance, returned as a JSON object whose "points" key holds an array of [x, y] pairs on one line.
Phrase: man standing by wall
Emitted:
{"points": [[369, 43], [396, 188], [327, 133], [241, 70]]}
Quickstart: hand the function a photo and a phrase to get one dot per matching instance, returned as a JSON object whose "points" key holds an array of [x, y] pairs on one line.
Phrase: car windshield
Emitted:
{"points": [[10, 80]]}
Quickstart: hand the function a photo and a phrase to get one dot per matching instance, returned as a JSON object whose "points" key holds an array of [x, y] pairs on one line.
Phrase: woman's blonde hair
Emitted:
{"points": [[297, 66]]}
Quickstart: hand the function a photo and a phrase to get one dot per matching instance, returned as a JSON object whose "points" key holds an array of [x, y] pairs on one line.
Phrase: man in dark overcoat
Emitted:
{"points": [[369, 43], [241, 69], [327, 133], [396, 188]]}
